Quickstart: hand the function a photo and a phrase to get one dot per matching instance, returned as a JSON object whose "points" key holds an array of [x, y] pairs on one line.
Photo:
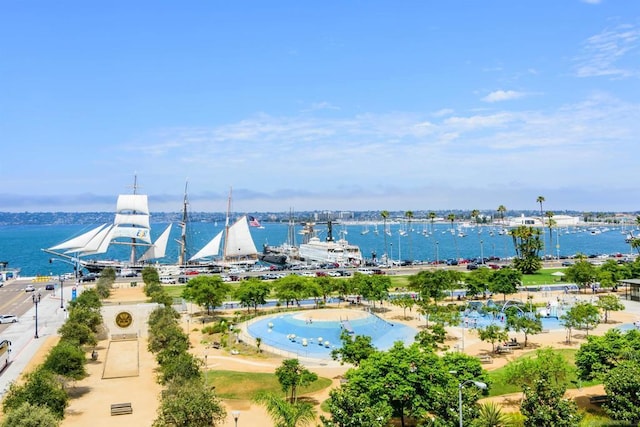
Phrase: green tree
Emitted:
{"points": [[409, 216], [285, 413], [492, 334], [292, 375], [326, 285], [583, 314], [189, 404], [404, 301], [477, 281], [291, 289], [150, 275], [490, 415], [432, 285], [66, 359], [354, 349], [432, 338], [372, 287], [350, 410], [608, 303], [527, 323], [621, 385], [544, 405], [550, 223], [501, 211], [252, 293], [181, 367], [207, 291], [595, 358], [583, 273], [505, 281], [77, 333], [41, 388], [28, 415], [547, 363]]}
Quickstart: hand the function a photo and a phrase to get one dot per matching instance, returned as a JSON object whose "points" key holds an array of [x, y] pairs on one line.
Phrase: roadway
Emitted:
{"points": [[14, 300]]}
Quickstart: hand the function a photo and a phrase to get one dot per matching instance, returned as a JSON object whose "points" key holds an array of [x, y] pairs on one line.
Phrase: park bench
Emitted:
{"points": [[485, 358], [500, 349], [121, 408], [215, 345], [599, 399]]}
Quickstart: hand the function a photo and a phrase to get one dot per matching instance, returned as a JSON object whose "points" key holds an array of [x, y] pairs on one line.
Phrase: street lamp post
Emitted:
{"points": [[61, 293], [481, 252], [36, 300], [480, 385], [235, 415], [437, 254]]}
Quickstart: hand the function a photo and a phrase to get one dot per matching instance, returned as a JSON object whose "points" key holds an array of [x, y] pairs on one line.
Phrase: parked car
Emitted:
{"points": [[30, 288], [8, 318]]}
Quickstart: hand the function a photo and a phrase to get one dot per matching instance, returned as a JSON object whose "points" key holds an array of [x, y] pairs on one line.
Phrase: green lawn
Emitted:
{"points": [[542, 277], [245, 385]]}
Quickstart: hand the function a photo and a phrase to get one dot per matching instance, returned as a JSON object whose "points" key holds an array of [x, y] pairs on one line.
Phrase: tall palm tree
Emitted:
{"points": [[551, 223], [432, 218], [540, 199], [409, 216], [452, 217], [285, 413], [385, 215], [501, 210], [474, 215]]}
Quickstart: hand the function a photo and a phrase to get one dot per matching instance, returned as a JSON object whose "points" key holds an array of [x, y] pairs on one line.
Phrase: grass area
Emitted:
{"points": [[174, 291], [499, 386], [245, 385], [542, 277]]}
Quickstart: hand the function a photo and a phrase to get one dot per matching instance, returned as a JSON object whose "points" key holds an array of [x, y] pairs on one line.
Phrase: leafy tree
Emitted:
{"points": [[583, 314], [151, 288], [41, 388], [28, 415], [291, 375], [150, 275], [492, 334], [291, 289], [547, 363], [433, 284], [108, 274], [385, 216], [88, 299], [528, 323], [66, 359], [432, 338], [189, 404], [161, 297], [180, 367], [544, 405], [77, 333], [354, 348], [404, 302], [505, 281], [350, 410], [621, 385], [583, 273], [595, 358], [326, 285], [608, 303], [285, 413], [477, 281], [207, 291], [252, 293], [372, 287], [527, 244], [609, 273]]}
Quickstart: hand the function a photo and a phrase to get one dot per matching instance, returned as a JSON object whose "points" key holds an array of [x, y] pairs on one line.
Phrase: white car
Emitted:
{"points": [[30, 288], [8, 318]]}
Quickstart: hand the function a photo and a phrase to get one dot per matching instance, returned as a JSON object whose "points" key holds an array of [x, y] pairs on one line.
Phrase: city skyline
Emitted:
{"points": [[336, 106]]}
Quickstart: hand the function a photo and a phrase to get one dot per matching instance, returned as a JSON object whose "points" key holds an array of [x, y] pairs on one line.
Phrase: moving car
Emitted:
{"points": [[8, 318], [49, 287], [30, 288]]}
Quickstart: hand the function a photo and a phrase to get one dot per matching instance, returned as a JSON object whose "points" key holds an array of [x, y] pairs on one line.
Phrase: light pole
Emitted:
{"points": [[36, 300], [61, 293], [235, 415], [481, 251], [437, 260], [480, 385]]}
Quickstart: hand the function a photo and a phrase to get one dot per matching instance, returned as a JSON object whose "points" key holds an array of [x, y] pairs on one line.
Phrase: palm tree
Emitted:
{"points": [[551, 223], [432, 218], [287, 414], [409, 216], [501, 210], [385, 215], [474, 215], [451, 217], [540, 200]]}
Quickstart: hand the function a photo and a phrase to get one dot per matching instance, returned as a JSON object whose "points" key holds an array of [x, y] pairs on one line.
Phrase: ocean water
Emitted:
{"points": [[21, 245]]}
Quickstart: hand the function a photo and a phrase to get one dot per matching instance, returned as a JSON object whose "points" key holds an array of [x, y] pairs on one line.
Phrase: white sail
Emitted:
{"points": [[95, 244], [132, 219], [133, 202], [72, 245], [211, 249], [239, 242], [137, 233], [159, 247]]}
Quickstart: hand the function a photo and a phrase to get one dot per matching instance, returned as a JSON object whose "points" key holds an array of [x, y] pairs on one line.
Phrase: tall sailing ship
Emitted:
{"points": [[130, 227], [238, 247]]}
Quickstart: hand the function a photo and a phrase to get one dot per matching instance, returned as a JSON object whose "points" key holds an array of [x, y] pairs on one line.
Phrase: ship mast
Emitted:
{"points": [[226, 226], [183, 225], [132, 258]]}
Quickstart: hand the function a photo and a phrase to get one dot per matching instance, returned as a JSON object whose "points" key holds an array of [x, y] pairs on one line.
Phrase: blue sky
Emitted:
{"points": [[330, 105]]}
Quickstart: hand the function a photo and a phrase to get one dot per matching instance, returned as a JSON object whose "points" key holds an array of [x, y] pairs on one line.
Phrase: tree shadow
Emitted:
{"points": [[75, 392]]}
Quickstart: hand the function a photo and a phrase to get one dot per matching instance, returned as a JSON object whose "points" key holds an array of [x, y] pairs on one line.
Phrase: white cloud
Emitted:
{"points": [[604, 53], [502, 95], [592, 1]]}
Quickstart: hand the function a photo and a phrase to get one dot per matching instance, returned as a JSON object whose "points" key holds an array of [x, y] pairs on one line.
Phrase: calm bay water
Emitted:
{"points": [[21, 245]]}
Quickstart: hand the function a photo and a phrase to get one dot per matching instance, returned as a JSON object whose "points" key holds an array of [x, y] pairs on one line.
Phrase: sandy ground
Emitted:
{"points": [[93, 395]]}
